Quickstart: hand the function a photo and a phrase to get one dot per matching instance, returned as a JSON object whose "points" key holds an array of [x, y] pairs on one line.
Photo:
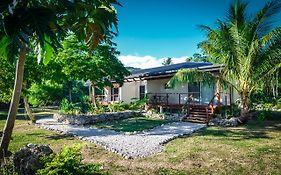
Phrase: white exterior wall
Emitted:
{"points": [[130, 90]]}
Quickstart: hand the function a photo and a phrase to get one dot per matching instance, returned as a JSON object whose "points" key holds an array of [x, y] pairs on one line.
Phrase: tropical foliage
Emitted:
{"points": [[40, 26], [68, 162], [248, 47]]}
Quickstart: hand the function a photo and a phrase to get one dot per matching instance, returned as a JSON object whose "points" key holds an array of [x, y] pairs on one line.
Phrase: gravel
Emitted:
{"points": [[130, 146]]}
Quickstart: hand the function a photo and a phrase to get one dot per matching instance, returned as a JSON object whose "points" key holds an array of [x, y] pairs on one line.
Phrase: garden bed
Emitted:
{"points": [[87, 119]]}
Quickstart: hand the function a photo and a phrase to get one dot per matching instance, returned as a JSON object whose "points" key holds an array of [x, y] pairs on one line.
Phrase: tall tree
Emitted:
{"points": [[197, 57], [6, 80], [249, 49], [44, 23], [100, 65]]}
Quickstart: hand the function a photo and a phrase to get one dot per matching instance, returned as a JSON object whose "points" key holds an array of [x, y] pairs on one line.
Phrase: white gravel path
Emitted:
{"points": [[129, 146]]}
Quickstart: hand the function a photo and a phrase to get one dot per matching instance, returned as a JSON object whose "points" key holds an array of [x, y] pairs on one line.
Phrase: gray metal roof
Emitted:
{"points": [[166, 69]]}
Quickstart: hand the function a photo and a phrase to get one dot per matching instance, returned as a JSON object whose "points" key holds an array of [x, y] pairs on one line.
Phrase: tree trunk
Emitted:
{"points": [[245, 107], [277, 84], [28, 110], [94, 101], [26, 105], [70, 94], [8, 129]]}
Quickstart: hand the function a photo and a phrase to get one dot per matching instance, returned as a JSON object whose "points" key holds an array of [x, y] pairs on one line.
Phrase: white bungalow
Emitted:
{"points": [[152, 83]]}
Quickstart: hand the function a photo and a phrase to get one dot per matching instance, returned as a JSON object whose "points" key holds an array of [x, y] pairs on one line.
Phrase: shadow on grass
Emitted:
{"points": [[59, 137], [54, 136], [254, 129], [38, 113], [234, 134]]}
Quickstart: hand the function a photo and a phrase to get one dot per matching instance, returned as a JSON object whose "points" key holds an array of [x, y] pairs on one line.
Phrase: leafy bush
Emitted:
{"points": [[67, 107], [278, 104], [228, 111], [262, 116], [117, 107], [261, 97], [68, 162], [138, 104], [45, 94], [7, 168]]}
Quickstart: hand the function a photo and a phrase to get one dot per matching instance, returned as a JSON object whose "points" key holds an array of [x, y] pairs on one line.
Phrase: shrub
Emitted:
{"points": [[228, 111], [68, 162], [263, 115], [66, 107], [45, 94], [117, 107], [138, 104], [8, 167]]}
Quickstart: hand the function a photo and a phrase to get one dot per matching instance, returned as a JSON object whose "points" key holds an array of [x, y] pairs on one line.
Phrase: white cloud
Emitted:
{"points": [[146, 61]]}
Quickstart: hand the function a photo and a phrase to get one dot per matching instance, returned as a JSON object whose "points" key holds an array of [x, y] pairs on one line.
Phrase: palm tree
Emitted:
{"points": [[40, 25], [249, 49]]}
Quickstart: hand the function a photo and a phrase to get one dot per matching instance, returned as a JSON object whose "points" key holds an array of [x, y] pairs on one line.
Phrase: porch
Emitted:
{"points": [[179, 100], [194, 107]]}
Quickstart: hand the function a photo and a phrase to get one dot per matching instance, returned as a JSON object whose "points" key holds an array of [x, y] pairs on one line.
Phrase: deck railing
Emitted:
{"points": [[173, 98], [190, 98]]}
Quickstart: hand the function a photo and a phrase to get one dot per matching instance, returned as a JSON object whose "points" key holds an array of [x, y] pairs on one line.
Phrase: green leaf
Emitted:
{"points": [[48, 50], [4, 43]]}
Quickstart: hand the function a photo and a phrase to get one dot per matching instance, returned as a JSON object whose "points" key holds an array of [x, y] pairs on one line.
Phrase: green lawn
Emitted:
{"points": [[254, 148], [132, 124]]}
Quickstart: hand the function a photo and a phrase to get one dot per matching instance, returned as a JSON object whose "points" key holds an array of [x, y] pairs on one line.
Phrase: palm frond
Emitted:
{"points": [[194, 75], [263, 20], [237, 13]]}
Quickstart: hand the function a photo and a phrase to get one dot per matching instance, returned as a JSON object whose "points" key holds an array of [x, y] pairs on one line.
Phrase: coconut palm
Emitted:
{"points": [[39, 25], [248, 47]]}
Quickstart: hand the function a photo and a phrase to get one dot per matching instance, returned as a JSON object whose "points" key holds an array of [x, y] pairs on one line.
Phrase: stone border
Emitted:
{"points": [[86, 119]]}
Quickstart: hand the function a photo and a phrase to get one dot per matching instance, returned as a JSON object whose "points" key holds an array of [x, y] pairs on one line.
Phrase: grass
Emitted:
{"points": [[254, 148], [132, 124]]}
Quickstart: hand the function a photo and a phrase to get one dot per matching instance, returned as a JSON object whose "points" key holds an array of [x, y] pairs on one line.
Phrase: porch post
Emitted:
{"points": [[218, 89]]}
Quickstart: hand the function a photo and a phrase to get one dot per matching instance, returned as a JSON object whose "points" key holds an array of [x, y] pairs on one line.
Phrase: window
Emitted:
{"points": [[114, 94], [142, 92]]}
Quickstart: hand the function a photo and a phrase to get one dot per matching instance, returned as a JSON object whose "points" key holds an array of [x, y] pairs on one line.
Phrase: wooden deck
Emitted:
{"points": [[196, 111]]}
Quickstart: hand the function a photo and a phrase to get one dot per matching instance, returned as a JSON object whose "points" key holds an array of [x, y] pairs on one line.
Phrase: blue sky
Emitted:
{"points": [[155, 29]]}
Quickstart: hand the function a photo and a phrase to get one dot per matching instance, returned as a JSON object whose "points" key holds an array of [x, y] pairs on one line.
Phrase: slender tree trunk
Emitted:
{"points": [[8, 129], [26, 105], [94, 101], [70, 94], [28, 110], [245, 107], [277, 83]]}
